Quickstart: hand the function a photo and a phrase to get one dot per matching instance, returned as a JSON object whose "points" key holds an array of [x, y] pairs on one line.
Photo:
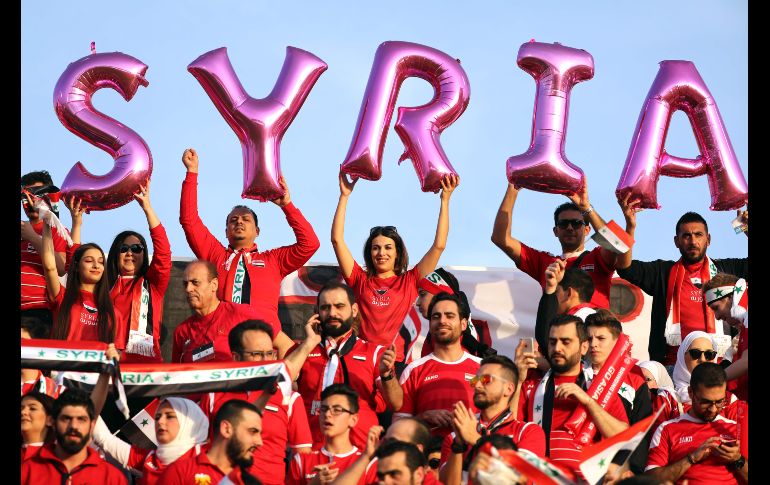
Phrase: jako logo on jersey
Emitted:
{"points": [[431, 378], [685, 439], [314, 355]]}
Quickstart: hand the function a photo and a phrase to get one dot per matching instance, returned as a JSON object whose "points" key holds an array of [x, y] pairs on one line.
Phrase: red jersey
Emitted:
{"points": [[146, 461], [691, 307], [29, 450], [196, 331], [33, 293], [534, 263], [675, 439], [83, 316], [370, 475], [661, 398], [430, 383], [126, 296], [730, 411], [264, 270], [44, 384], [192, 470], [384, 303], [46, 467], [361, 363], [301, 468], [282, 425]]}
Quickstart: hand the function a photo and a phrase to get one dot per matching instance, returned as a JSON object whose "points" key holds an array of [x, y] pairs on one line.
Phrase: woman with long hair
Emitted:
{"points": [[386, 290], [36, 422]]}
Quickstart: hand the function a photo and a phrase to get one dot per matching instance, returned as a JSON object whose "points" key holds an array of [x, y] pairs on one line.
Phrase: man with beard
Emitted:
{"points": [[550, 401], [341, 358], [701, 446], [493, 387], [337, 415], [400, 463], [678, 307], [430, 387], [238, 426], [70, 460]]}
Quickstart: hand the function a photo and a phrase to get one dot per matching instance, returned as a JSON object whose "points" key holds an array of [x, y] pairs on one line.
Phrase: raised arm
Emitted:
{"points": [[341, 250], [629, 208], [548, 306], [203, 244], [429, 262], [159, 271], [296, 359], [501, 231], [352, 474], [48, 257], [118, 449], [99, 393], [580, 199], [292, 257]]}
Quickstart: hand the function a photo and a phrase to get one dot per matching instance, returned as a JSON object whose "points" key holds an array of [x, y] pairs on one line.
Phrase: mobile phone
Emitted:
{"points": [[529, 344]]}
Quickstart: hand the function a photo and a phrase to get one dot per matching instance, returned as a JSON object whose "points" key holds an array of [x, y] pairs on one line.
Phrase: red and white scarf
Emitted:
{"points": [[140, 338]]}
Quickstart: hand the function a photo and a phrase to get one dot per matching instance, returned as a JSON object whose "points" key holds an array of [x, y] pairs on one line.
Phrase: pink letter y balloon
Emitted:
{"points": [[72, 102], [259, 123], [678, 86], [419, 127], [544, 166]]}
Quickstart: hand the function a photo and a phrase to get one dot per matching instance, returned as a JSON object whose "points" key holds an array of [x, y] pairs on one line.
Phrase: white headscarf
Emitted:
{"points": [[681, 374], [193, 430], [660, 374]]}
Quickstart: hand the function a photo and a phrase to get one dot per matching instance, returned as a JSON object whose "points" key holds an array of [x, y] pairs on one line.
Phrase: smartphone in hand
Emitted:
{"points": [[529, 344]]}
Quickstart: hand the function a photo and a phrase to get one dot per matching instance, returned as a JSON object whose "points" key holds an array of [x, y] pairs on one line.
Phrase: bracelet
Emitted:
{"points": [[691, 459], [386, 377], [587, 211]]}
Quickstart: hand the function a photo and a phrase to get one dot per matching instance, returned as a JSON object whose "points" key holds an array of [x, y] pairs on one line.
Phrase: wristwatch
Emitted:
{"points": [[462, 447], [587, 211], [737, 464], [388, 377]]}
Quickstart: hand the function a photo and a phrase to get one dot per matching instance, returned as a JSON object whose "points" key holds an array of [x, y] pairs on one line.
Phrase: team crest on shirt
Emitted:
{"points": [[90, 308], [587, 267], [271, 408], [360, 357], [381, 292], [258, 263], [202, 479], [468, 377]]}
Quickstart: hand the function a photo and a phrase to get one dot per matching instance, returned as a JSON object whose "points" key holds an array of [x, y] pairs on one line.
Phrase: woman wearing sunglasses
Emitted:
{"points": [[385, 290], [136, 285]]}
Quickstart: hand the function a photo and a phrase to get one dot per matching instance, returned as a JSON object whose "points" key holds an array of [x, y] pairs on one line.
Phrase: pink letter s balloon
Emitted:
{"points": [[419, 127], [544, 166], [259, 123], [72, 102], [678, 86]]}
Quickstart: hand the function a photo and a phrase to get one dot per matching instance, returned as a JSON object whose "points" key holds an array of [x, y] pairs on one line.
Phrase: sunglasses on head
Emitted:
{"points": [[135, 248], [575, 223], [696, 353], [383, 229]]}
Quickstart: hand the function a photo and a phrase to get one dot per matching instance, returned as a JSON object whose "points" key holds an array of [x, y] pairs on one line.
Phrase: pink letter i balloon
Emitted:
{"points": [[259, 123], [544, 166], [419, 127], [72, 102], [678, 86]]}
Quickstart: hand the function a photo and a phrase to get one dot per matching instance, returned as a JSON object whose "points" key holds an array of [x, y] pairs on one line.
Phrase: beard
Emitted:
{"points": [[482, 401], [236, 452], [72, 444], [335, 331], [569, 362], [692, 260]]}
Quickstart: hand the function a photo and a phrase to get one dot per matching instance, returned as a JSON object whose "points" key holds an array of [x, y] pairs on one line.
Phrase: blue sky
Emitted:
{"points": [[626, 39]]}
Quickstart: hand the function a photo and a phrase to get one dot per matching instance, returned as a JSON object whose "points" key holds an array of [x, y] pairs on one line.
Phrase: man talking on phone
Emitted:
{"points": [[341, 358]]}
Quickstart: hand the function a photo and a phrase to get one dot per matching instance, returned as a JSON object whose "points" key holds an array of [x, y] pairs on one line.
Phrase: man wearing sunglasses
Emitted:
{"points": [[282, 424], [701, 446], [571, 226]]}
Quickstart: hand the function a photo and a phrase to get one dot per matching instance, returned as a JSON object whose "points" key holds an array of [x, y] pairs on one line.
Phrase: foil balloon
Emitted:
{"points": [[259, 124], [544, 167], [72, 101], [419, 127], [678, 86]]}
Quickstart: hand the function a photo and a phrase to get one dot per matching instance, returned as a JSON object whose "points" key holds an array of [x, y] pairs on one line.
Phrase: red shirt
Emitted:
{"points": [[214, 327], [192, 470], [83, 316], [146, 461], [301, 468], [29, 450], [33, 293], [265, 271], [534, 263], [45, 467], [691, 307], [430, 383], [158, 275], [47, 385], [662, 398], [675, 439], [384, 303], [281, 425], [361, 363]]}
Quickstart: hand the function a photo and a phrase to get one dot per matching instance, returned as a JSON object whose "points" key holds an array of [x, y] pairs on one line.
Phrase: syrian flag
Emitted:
{"points": [[140, 429], [612, 238], [596, 459], [536, 469]]}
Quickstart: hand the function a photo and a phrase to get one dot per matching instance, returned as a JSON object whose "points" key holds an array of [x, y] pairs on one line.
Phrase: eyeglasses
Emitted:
{"points": [[335, 410], [719, 403], [383, 229], [485, 379], [135, 248], [434, 463], [258, 354], [575, 223], [696, 353]]}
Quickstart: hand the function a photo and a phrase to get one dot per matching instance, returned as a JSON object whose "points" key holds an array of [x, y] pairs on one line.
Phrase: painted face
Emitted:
{"points": [[384, 254], [245, 440], [241, 228], [393, 470], [130, 262], [91, 266], [335, 425], [199, 290], [73, 428], [335, 312], [692, 240], [491, 392], [572, 235], [600, 344], [446, 326], [166, 423], [34, 419], [423, 302], [708, 402], [651, 382], [565, 348], [257, 347], [699, 344]]}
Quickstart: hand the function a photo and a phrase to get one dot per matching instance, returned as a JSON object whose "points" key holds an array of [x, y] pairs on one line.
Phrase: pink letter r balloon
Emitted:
{"points": [[544, 166], [419, 127], [72, 102], [678, 86], [259, 123]]}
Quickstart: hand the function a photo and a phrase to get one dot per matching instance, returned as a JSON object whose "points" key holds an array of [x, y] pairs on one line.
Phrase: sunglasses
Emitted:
{"points": [[383, 229], [575, 223], [696, 353], [135, 248], [485, 379]]}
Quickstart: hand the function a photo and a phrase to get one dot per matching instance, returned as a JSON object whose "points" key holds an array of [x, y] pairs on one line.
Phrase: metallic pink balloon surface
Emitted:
{"points": [[678, 86], [544, 166], [419, 127], [72, 102], [259, 123]]}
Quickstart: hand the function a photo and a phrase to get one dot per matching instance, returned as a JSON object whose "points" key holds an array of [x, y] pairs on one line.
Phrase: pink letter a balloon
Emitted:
{"points": [[678, 86], [259, 123], [419, 127], [72, 102], [544, 166]]}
